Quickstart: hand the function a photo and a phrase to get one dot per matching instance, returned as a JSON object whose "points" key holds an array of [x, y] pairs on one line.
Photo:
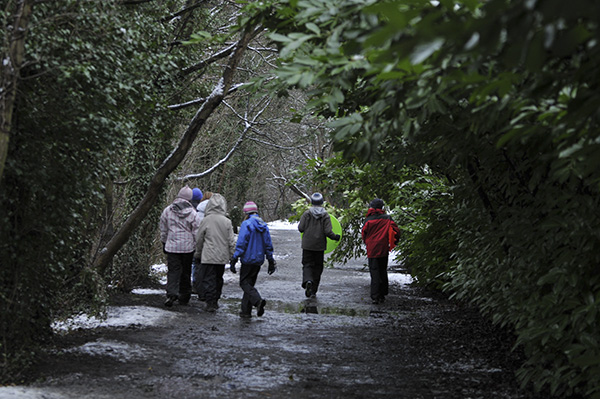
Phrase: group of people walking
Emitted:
{"points": [[196, 230], [379, 233], [198, 240]]}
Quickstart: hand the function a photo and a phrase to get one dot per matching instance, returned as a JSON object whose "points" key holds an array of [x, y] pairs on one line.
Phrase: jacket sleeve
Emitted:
{"points": [[327, 228], [268, 244], [200, 240], [363, 232], [303, 221], [164, 229], [231, 241], [396, 229], [242, 241]]}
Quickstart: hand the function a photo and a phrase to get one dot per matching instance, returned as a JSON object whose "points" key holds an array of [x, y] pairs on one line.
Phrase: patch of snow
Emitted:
{"points": [[29, 393], [117, 316], [400, 278], [147, 291], [121, 351], [282, 225], [160, 271]]}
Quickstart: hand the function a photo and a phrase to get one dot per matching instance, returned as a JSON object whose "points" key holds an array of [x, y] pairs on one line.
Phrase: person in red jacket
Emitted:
{"points": [[380, 234]]}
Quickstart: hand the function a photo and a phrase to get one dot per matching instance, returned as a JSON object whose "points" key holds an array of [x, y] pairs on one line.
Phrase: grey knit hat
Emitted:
{"points": [[316, 199]]}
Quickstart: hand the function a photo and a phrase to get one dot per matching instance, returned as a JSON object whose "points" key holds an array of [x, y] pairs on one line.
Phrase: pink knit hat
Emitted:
{"points": [[250, 207]]}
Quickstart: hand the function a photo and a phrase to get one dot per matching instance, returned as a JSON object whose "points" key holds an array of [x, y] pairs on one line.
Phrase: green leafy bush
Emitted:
{"points": [[505, 109]]}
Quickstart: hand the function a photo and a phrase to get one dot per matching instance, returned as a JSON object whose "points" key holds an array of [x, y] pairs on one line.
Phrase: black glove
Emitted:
{"points": [[272, 267], [337, 237], [232, 263]]}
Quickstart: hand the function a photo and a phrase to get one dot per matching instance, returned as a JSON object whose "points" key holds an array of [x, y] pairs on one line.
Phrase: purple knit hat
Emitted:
{"points": [[250, 207]]}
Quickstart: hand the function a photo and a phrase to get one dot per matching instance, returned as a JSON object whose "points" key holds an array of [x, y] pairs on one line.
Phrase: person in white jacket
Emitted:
{"points": [[215, 243]]}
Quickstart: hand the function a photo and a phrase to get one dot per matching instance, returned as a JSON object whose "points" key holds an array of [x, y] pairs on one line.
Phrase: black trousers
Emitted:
{"points": [[214, 282], [179, 280], [200, 281], [251, 297], [312, 268], [379, 277]]}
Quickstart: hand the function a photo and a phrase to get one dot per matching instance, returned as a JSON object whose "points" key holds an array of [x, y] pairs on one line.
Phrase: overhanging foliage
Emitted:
{"points": [[499, 97]]}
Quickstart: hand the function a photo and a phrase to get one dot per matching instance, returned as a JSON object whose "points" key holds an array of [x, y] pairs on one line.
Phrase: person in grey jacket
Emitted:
{"points": [[215, 244], [315, 223], [178, 227]]}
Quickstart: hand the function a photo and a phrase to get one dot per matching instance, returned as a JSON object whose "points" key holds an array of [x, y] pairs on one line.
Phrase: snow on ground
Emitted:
{"points": [[400, 278], [117, 316], [121, 351], [283, 225]]}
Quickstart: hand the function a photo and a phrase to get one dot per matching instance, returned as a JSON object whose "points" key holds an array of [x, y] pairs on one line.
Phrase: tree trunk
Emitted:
{"points": [[12, 59], [104, 257]]}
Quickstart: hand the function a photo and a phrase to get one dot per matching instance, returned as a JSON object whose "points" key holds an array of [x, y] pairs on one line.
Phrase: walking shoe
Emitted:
{"points": [[211, 307], [261, 308], [245, 315], [308, 291], [169, 302]]}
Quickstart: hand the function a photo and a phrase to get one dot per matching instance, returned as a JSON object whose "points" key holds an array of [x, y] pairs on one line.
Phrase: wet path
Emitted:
{"points": [[337, 346]]}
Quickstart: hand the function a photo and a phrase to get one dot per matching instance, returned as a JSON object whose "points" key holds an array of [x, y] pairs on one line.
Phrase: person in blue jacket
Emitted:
{"points": [[253, 245]]}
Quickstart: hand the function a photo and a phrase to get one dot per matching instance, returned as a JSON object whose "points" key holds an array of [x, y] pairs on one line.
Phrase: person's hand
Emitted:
{"points": [[164, 245], [272, 267], [197, 261], [232, 263], [337, 237]]}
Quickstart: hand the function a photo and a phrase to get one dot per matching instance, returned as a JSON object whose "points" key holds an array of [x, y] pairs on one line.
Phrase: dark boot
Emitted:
{"points": [[260, 309], [212, 306]]}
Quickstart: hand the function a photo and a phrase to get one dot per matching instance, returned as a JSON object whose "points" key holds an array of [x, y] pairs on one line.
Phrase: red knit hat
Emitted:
{"points": [[250, 207]]}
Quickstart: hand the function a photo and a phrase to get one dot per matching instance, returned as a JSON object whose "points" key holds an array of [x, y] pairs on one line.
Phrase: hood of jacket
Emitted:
{"points": [[375, 211], [217, 205], [256, 223], [317, 211], [182, 208]]}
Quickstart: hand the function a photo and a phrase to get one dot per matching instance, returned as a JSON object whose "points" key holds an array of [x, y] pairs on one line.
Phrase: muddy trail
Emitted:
{"points": [[415, 345]]}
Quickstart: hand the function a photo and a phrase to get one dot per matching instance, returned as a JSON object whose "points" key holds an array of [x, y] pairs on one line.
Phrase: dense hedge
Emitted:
{"points": [[84, 82], [499, 99]]}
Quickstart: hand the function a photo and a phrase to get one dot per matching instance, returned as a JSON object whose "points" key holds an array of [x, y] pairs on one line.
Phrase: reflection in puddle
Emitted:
{"points": [[311, 306]]}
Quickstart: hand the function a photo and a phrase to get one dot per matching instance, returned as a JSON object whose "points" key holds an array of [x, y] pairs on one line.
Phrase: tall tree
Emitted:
{"points": [[16, 24]]}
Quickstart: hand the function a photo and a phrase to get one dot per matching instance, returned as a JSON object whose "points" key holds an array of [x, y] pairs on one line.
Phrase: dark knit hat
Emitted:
{"points": [[250, 207], [377, 203], [316, 199]]}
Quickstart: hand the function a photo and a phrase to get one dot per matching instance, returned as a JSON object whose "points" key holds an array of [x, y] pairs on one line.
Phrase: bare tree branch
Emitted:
{"points": [[182, 11], [247, 126], [224, 53], [292, 187], [199, 101], [103, 258]]}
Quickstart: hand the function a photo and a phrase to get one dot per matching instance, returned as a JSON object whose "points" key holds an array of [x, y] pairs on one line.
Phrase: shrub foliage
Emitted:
{"points": [[498, 100]]}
